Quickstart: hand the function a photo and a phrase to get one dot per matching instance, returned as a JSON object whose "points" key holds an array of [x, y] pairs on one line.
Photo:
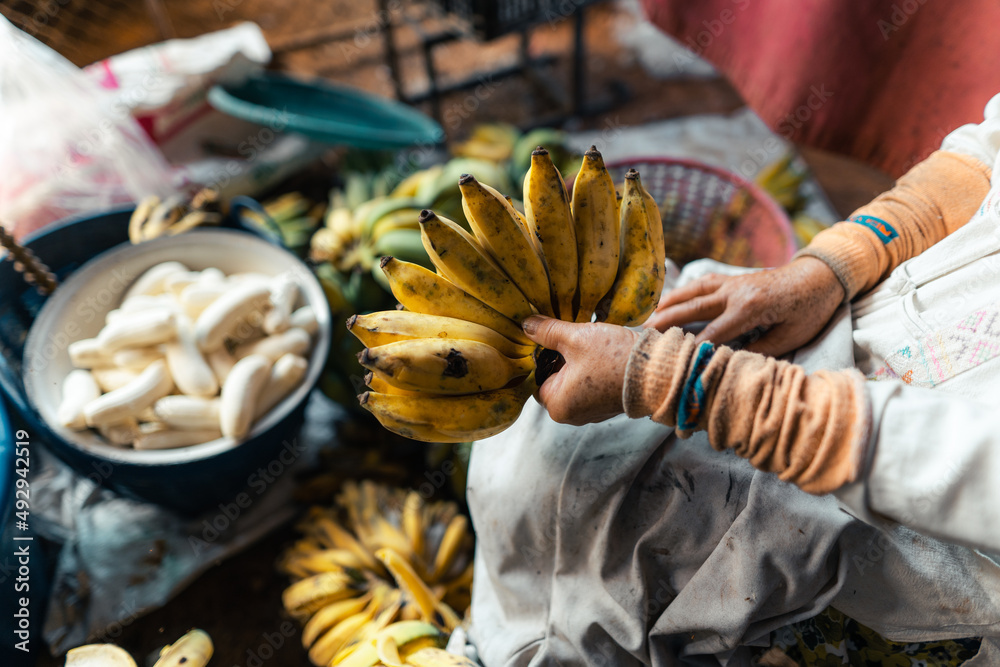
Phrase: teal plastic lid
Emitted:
{"points": [[327, 112]]}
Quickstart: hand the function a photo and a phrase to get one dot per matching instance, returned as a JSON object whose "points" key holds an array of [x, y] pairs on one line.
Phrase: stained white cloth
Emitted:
{"points": [[617, 544]]}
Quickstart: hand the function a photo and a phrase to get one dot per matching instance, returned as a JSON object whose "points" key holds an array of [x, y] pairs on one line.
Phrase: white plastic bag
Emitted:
{"points": [[66, 147]]}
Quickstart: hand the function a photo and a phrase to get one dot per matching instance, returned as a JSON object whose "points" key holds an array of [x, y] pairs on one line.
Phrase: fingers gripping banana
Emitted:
{"points": [[423, 291], [547, 210], [439, 366], [640, 275], [594, 212], [391, 326], [499, 231], [459, 258]]}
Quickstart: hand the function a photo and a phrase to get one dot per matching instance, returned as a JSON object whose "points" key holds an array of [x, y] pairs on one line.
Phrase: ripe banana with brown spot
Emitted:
{"points": [[192, 650], [641, 271], [423, 291], [498, 229], [449, 418], [390, 326], [550, 219], [459, 258], [437, 366], [595, 215], [329, 616]]}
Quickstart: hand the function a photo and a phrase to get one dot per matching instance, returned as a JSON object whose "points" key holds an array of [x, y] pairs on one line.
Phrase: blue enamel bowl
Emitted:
{"points": [[94, 262]]}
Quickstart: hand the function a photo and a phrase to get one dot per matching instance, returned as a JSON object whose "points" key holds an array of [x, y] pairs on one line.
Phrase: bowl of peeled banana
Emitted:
{"points": [[452, 364]]}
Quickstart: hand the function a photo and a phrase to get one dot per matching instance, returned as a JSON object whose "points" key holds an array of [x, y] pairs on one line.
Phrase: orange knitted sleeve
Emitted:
{"points": [[932, 200], [809, 429]]}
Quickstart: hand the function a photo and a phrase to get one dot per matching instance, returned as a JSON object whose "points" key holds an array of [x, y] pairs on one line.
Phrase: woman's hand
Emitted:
{"points": [[793, 303], [589, 387]]}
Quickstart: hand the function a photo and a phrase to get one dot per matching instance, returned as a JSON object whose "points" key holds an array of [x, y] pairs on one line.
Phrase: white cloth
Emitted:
{"points": [[616, 544], [934, 458]]}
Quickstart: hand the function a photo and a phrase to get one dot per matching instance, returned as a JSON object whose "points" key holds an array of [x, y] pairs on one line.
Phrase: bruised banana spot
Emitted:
{"points": [[455, 365]]}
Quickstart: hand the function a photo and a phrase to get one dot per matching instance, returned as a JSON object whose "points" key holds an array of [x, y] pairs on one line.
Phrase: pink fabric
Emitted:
{"points": [[881, 80]]}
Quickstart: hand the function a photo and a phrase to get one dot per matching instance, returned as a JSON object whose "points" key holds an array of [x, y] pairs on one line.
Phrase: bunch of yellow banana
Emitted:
{"points": [[782, 179], [153, 217], [454, 366], [192, 650], [378, 578]]}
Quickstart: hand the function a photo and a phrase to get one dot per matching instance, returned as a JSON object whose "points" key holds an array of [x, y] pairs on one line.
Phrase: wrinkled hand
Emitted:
{"points": [[589, 387], [793, 303]]}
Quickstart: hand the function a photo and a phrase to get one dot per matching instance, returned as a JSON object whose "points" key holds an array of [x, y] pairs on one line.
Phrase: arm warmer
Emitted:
{"points": [[809, 429], [932, 200]]}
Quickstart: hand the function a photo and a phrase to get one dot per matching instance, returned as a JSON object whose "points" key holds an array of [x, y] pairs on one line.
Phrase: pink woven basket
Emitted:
{"points": [[710, 212]]}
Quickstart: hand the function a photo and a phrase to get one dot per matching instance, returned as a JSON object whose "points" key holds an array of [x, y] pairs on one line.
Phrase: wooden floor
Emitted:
{"points": [[238, 602]]}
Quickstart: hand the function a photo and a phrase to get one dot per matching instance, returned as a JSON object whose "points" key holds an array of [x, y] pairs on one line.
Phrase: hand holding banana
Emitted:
{"points": [[455, 365]]}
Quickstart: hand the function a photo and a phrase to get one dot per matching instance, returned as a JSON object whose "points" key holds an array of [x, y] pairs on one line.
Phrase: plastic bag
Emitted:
{"points": [[66, 146]]}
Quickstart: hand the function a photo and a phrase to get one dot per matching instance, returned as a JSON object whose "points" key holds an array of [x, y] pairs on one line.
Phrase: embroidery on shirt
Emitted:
{"points": [[943, 354], [882, 229], [693, 396]]}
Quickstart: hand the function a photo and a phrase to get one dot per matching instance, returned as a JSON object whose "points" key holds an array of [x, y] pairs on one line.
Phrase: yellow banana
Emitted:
{"points": [[334, 639], [311, 594], [328, 560], [408, 581], [192, 650], [459, 258], [549, 218], [594, 213], [436, 657], [498, 229], [388, 651], [391, 603], [408, 636], [422, 291], [641, 270], [449, 418], [390, 326], [413, 522], [339, 538], [376, 383], [139, 217], [441, 366], [451, 546], [331, 615]]}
